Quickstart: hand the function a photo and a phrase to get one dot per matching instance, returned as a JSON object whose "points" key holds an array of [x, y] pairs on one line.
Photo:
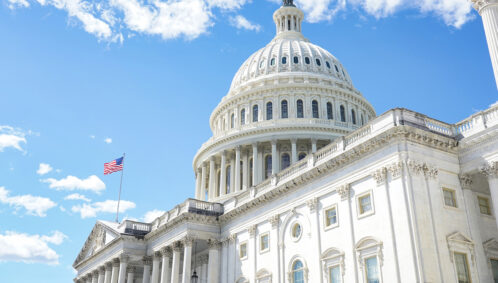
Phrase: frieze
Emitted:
{"points": [[422, 168]]}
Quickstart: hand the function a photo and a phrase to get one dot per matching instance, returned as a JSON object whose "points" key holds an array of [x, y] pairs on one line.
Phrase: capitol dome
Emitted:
{"points": [[286, 101]]}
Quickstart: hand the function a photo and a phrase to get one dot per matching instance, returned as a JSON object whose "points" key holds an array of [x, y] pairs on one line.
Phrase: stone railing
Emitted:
{"points": [[384, 122], [135, 228]]}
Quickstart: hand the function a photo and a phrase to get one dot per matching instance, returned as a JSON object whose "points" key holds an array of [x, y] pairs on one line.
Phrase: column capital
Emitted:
{"points": [[166, 251], [380, 175], [232, 238], [102, 269], [157, 256], [254, 145], [213, 244], [422, 168], [479, 5], [212, 158], [252, 230], [293, 141], [274, 220], [224, 153], [115, 262], [108, 265], [95, 273], [188, 240], [273, 142], [131, 269], [238, 148], [312, 204], [124, 258], [177, 246], [344, 191], [489, 170], [147, 260], [465, 181]]}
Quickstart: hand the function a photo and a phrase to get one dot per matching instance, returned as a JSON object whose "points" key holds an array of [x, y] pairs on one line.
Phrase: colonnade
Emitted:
{"points": [[244, 166], [166, 265]]}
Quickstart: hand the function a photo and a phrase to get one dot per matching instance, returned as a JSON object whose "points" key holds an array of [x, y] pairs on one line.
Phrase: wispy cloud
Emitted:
{"points": [[108, 140], [11, 137], [44, 168], [77, 197], [241, 22], [34, 205], [152, 215], [20, 247], [72, 183], [108, 206]]}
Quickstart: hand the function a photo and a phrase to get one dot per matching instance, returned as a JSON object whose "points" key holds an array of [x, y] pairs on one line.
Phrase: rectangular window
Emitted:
{"points": [[449, 197], [372, 270], [494, 266], [331, 216], [335, 274], [484, 205], [264, 242], [243, 250], [365, 203], [462, 267]]}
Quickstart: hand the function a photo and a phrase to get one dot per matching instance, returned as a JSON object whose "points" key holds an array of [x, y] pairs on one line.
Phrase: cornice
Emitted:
{"points": [[178, 220]]}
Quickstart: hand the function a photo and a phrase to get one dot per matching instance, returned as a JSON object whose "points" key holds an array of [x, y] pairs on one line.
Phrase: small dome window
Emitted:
{"points": [[318, 62], [296, 59], [307, 60], [262, 64], [272, 62], [336, 69], [328, 64], [284, 60]]}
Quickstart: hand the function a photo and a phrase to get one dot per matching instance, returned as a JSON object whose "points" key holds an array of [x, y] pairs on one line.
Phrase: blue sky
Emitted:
{"points": [[83, 82]]}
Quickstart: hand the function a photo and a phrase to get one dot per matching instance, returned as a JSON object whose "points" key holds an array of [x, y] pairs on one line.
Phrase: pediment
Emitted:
{"points": [[460, 238], [491, 245], [99, 237]]}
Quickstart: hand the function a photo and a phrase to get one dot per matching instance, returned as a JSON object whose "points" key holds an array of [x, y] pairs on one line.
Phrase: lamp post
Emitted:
{"points": [[194, 278]]}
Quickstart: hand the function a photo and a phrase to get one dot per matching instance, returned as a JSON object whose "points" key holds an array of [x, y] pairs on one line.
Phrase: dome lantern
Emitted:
{"points": [[288, 20]]}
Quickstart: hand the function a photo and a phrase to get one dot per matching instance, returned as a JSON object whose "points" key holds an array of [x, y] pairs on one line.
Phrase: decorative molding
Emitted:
{"points": [[232, 238], [177, 246], [102, 270], [419, 168], [108, 266], [489, 170], [312, 204], [274, 220], [479, 5], [167, 252], [458, 242], [252, 230], [188, 240], [395, 169], [465, 181], [344, 191], [213, 244], [380, 175], [124, 258], [115, 262], [147, 260], [131, 269], [157, 256]]}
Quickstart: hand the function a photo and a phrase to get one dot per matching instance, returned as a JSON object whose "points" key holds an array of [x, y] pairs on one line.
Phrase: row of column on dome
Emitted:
{"points": [[170, 264], [252, 163], [289, 22], [344, 113]]}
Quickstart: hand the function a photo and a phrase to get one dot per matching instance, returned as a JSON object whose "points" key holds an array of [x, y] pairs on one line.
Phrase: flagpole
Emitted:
{"points": [[120, 184]]}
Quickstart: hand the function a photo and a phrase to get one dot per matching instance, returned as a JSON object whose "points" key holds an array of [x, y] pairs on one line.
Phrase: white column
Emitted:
{"points": [[198, 177], [245, 171], [237, 170], [313, 145], [203, 182], [131, 274], [488, 9], [95, 276], [187, 259], [156, 260], [165, 270], [213, 264], [212, 178], [274, 221], [115, 270], [294, 151], [252, 250], [491, 171], [230, 257], [108, 270], [204, 272], [147, 260], [223, 177], [88, 278], [255, 164], [101, 274], [232, 174], [175, 267], [123, 264], [274, 157]]}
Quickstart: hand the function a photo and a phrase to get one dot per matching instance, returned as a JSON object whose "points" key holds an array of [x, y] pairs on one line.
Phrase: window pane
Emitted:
{"points": [[297, 272], [269, 111], [285, 110], [343, 114], [228, 174], [296, 60], [284, 60], [462, 268], [299, 105], [285, 161], [302, 156], [307, 60], [314, 106], [335, 274], [268, 167], [243, 116], [255, 113], [372, 270], [449, 198], [264, 242], [329, 111], [243, 250], [484, 205], [494, 266], [331, 216], [365, 204]]}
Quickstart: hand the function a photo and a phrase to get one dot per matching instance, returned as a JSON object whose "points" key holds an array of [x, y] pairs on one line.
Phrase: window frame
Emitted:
{"points": [[490, 208], [243, 116], [325, 217], [358, 205], [315, 109], [267, 249], [282, 161], [286, 109], [299, 106], [244, 243], [255, 110], [365, 271], [293, 225], [269, 110], [453, 192], [330, 111]]}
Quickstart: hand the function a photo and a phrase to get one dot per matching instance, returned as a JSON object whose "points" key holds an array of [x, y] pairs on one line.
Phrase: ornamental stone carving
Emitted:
{"points": [[274, 220], [131, 269], [489, 170], [167, 252], [157, 255], [124, 258], [380, 175], [102, 270], [115, 262], [481, 4], [232, 238], [177, 246], [465, 181], [418, 168], [108, 266], [213, 244], [147, 260], [252, 230], [395, 169], [312, 204], [188, 240], [344, 191]]}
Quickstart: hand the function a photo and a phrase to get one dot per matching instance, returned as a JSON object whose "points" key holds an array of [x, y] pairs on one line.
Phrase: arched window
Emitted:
{"points": [[301, 156], [284, 60], [268, 164], [228, 174], [250, 173], [299, 106], [241, 176], [353, 116], [343, 114], [284, 109], [318, 62], [285, 162], [362, 120], [314, 108], [297, 272], [269, 111], [255, 113], [232, 121], [328, 64], [307, 60], [272, 61], [243, 116], [336, 69], [330, 115], [296, 59]]}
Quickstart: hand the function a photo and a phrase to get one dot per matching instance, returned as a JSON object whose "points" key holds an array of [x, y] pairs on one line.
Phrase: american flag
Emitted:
{"points": [[113, 166]]}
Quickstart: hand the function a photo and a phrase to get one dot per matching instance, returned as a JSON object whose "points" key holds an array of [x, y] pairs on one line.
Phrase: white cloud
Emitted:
{"points": [[241, 22], [227, 4], [108, 206], [108, 140], [37, 206], [11, 137], [44, 168], [13, 4], [71, 183], [77, 197], [20, 247], [152, 215], [92, 137]]}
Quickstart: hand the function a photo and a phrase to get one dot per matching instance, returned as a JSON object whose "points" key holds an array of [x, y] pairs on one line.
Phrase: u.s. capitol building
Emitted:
{"points": [[303, 182]]}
